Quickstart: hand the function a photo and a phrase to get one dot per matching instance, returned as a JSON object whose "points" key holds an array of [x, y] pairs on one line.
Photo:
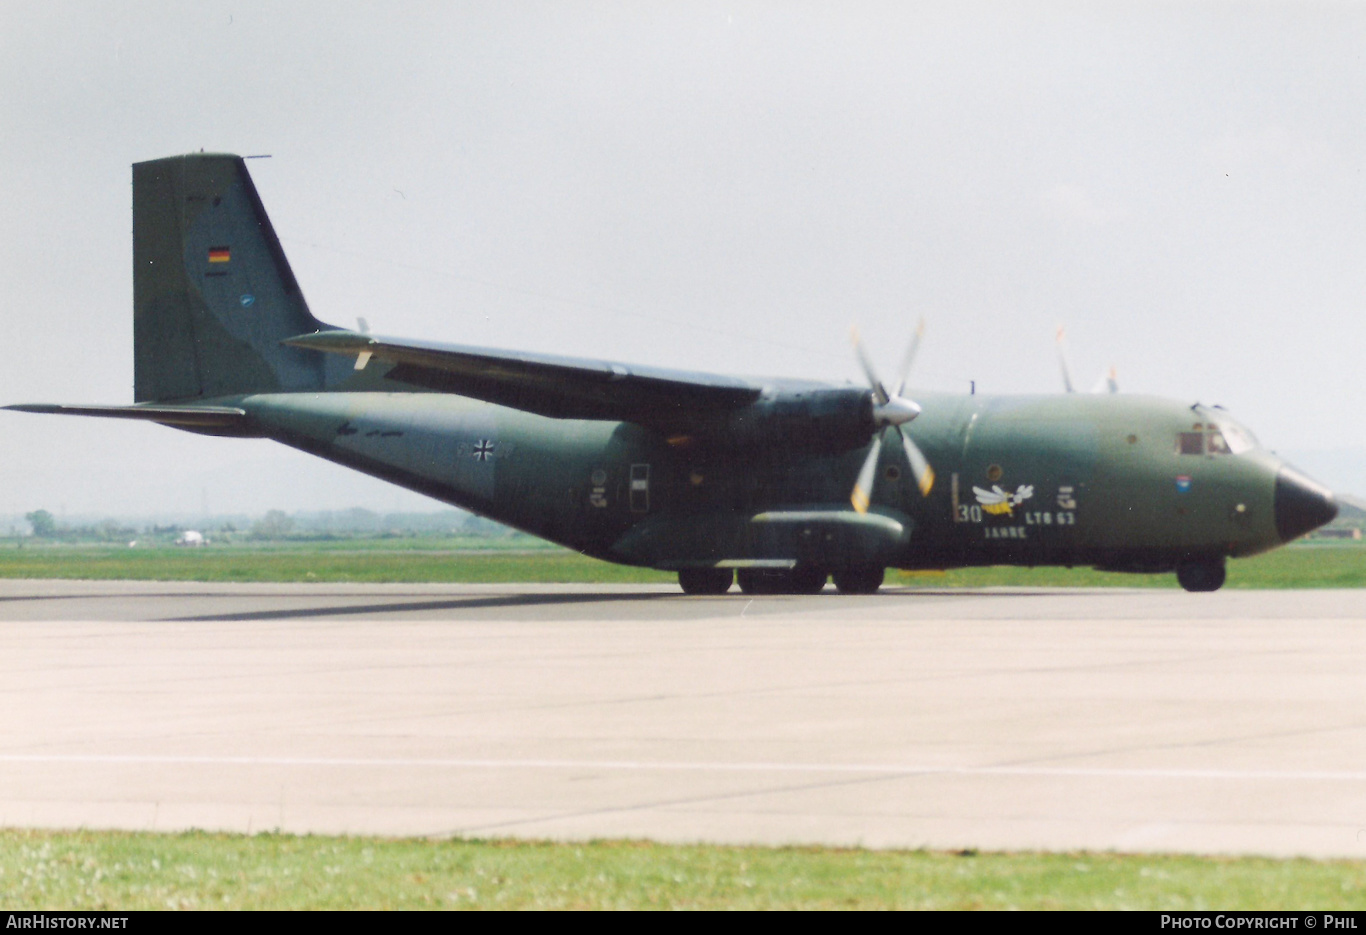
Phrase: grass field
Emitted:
{"points": [[306, 562], [89, 870], [1309, 565]]}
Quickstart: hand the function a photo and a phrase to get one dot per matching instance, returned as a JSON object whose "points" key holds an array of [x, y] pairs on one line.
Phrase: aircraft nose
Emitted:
{"points": [[1302, 504]]}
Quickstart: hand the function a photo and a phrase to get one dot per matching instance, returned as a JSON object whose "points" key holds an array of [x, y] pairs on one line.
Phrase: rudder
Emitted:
{"points": [[213, 295]]}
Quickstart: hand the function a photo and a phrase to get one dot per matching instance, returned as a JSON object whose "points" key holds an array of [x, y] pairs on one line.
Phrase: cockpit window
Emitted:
{"points": [[1224, 438], [1239, 439]]}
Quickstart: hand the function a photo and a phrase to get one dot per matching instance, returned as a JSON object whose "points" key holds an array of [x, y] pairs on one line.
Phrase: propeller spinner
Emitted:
{"points": [[890, 409]]}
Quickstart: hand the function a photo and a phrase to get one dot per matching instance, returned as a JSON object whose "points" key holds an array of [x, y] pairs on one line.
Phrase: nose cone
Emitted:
{"points": [[1302, 504]]}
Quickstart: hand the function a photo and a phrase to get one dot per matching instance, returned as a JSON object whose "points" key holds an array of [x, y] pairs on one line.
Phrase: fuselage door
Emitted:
{"points": [[640, 488]]}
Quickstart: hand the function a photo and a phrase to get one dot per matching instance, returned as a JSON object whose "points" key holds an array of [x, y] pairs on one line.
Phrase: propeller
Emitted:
{"points": [[890, 409], [363, 358], [1107, 383], [1062, 361]]}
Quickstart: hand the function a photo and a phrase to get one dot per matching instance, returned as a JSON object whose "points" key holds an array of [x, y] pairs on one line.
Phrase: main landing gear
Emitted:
{"points": [[802, 579], [860, 579], [705, 580], [1201, 574]]}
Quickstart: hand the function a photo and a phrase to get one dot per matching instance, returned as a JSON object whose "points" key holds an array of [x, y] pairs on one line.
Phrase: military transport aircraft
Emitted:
{"points": [[779, 483]]}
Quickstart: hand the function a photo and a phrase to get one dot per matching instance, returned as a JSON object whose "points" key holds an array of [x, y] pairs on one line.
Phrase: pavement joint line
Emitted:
{"points": [[892, 769]]}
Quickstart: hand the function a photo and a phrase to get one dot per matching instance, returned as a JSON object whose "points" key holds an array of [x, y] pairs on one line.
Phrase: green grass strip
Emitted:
{"points": [[302, 563], [118, 870], [1301, 566], [1297, 566]]}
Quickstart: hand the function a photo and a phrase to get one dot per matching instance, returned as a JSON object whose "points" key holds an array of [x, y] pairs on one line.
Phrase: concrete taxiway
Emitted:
{"points": [[1136, 720]]}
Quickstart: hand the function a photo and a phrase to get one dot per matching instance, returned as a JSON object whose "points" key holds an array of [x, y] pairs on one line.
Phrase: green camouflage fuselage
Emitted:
{"points": [[1094, 480]]}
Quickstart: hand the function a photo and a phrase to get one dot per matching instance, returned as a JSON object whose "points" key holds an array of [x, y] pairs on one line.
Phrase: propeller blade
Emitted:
{"points": [[1107, 383], [920, 467], [863, 487], [1062, 362], [879, 391], [909, 358]]}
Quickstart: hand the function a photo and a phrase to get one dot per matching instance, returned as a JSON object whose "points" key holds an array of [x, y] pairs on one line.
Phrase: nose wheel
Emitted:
{"points": [[1201, 574]]}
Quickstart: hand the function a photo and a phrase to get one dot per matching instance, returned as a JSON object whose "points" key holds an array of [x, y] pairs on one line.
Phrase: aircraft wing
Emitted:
{"points": [[549, 385]]}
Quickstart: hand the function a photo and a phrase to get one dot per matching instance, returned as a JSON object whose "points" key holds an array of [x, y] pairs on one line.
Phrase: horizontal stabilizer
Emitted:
{"points": [[546, 384], [184, 416]]}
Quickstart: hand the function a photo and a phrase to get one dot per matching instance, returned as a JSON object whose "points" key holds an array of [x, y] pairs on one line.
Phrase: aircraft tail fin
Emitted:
{"points": [[213, 294]]}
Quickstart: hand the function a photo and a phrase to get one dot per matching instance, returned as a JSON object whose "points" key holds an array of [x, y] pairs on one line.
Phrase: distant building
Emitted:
{"points": [[1351, 508], [1338, 532]]}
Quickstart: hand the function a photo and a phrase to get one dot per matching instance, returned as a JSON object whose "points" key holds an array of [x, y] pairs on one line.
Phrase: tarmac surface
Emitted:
{"points": [[1136, 720]]}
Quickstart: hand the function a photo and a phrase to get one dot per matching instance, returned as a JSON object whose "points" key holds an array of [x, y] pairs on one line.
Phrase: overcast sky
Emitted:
{"points": [[721, 187]]}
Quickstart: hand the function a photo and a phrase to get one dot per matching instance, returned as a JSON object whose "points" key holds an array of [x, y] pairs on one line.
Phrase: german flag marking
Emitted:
{"points": [[219, 255]]}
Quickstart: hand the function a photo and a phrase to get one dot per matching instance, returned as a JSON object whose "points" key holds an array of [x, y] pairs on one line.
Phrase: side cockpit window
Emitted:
{"points": [[1190, 443], [1237, 438]]}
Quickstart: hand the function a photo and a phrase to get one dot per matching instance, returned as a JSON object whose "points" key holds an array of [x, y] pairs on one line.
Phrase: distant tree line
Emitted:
{"points": [[45, 526], [277, 525]]}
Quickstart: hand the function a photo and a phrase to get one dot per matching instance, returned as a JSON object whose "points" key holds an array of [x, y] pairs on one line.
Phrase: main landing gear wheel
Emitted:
{"points": [[865, 579], [1201, 574], [807, 579], [705, 580], [760, 580]]}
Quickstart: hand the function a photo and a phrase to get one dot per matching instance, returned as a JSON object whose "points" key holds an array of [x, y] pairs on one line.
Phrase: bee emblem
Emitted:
{"points": [[1000, 503]]}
